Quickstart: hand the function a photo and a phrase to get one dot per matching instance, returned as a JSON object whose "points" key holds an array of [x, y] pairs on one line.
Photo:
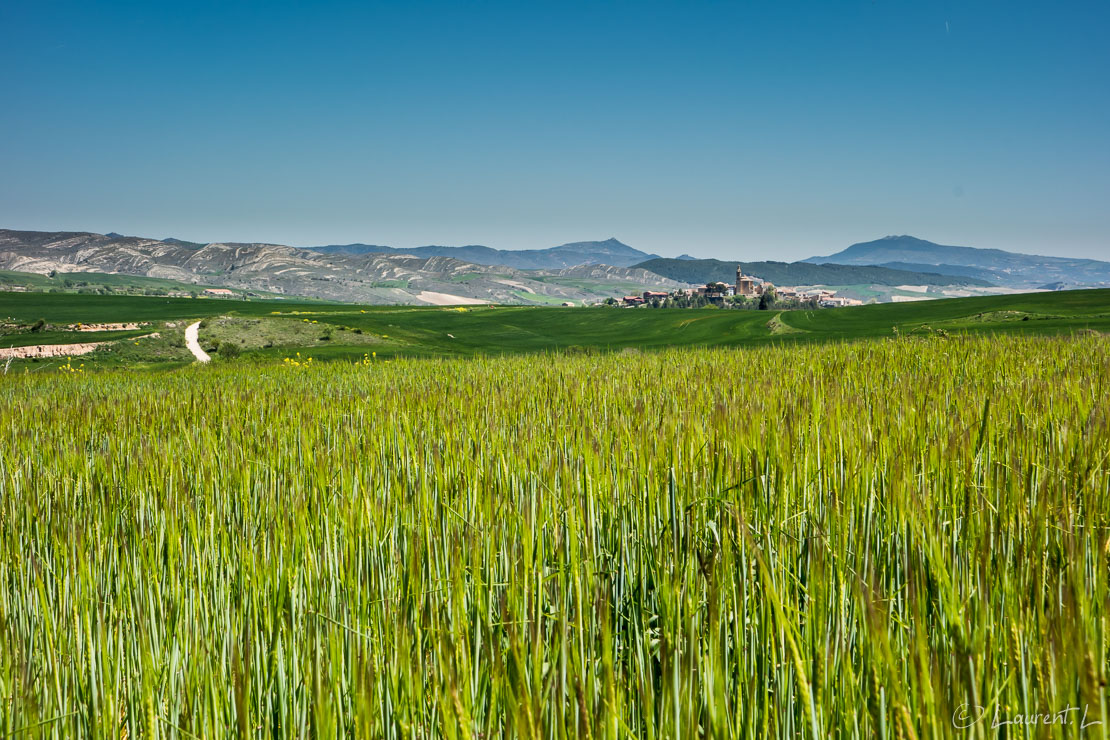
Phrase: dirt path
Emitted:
{"points": [[191, 342]]}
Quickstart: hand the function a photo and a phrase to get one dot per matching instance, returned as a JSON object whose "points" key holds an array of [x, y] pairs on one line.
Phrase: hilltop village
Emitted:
{"points": [[747, 292]]}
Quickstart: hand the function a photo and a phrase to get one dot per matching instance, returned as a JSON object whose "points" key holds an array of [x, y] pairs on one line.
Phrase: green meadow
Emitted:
{"points": [[888, 521], [86, 283], [851, 539], [480, 330]]}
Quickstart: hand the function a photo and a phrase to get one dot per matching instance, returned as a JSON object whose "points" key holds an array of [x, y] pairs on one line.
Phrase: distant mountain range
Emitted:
{"points": [[577, 272], [1009, 269], [607, 252], [798, 273], [364, 278]]}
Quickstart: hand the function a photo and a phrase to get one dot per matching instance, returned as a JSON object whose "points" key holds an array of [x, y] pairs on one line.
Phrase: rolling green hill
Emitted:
{"points": [[336, 331], [798, 273], [101, 282]]}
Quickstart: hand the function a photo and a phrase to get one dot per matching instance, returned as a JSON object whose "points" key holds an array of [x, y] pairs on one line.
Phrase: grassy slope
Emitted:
{"points": [[28, 339], [66, 308], [116, 282], [425, 330], [1048, 312]]}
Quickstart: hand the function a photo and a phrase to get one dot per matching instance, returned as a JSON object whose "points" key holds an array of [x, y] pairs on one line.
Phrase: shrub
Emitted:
{"points": [[229, 350]]}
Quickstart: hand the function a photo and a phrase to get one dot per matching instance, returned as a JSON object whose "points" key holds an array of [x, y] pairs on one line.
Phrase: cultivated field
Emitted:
{"points": [[856, 539], [269, 331]]}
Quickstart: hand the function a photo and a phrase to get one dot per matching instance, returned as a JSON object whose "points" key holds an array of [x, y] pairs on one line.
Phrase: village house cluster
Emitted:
{"points": [[746, 286], [822, 297]]}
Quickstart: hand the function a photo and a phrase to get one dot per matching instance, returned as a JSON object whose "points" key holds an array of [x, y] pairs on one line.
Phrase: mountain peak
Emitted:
{"points": [[901, 238], [1009, 269]]}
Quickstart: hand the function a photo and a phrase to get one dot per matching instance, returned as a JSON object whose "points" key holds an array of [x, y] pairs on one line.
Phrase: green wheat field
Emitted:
{"points": [[887, 538]]}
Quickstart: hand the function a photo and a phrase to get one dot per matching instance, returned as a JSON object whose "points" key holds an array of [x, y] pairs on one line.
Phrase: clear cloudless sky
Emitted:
{"points": [[755, 130]]}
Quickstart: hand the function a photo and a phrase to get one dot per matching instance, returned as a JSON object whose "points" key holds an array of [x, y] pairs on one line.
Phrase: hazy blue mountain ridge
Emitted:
{"points": [[1012, 269], [798, 273]]}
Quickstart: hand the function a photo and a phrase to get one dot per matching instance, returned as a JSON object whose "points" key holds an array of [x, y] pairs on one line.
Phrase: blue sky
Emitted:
{"points": [[754, 130]]}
